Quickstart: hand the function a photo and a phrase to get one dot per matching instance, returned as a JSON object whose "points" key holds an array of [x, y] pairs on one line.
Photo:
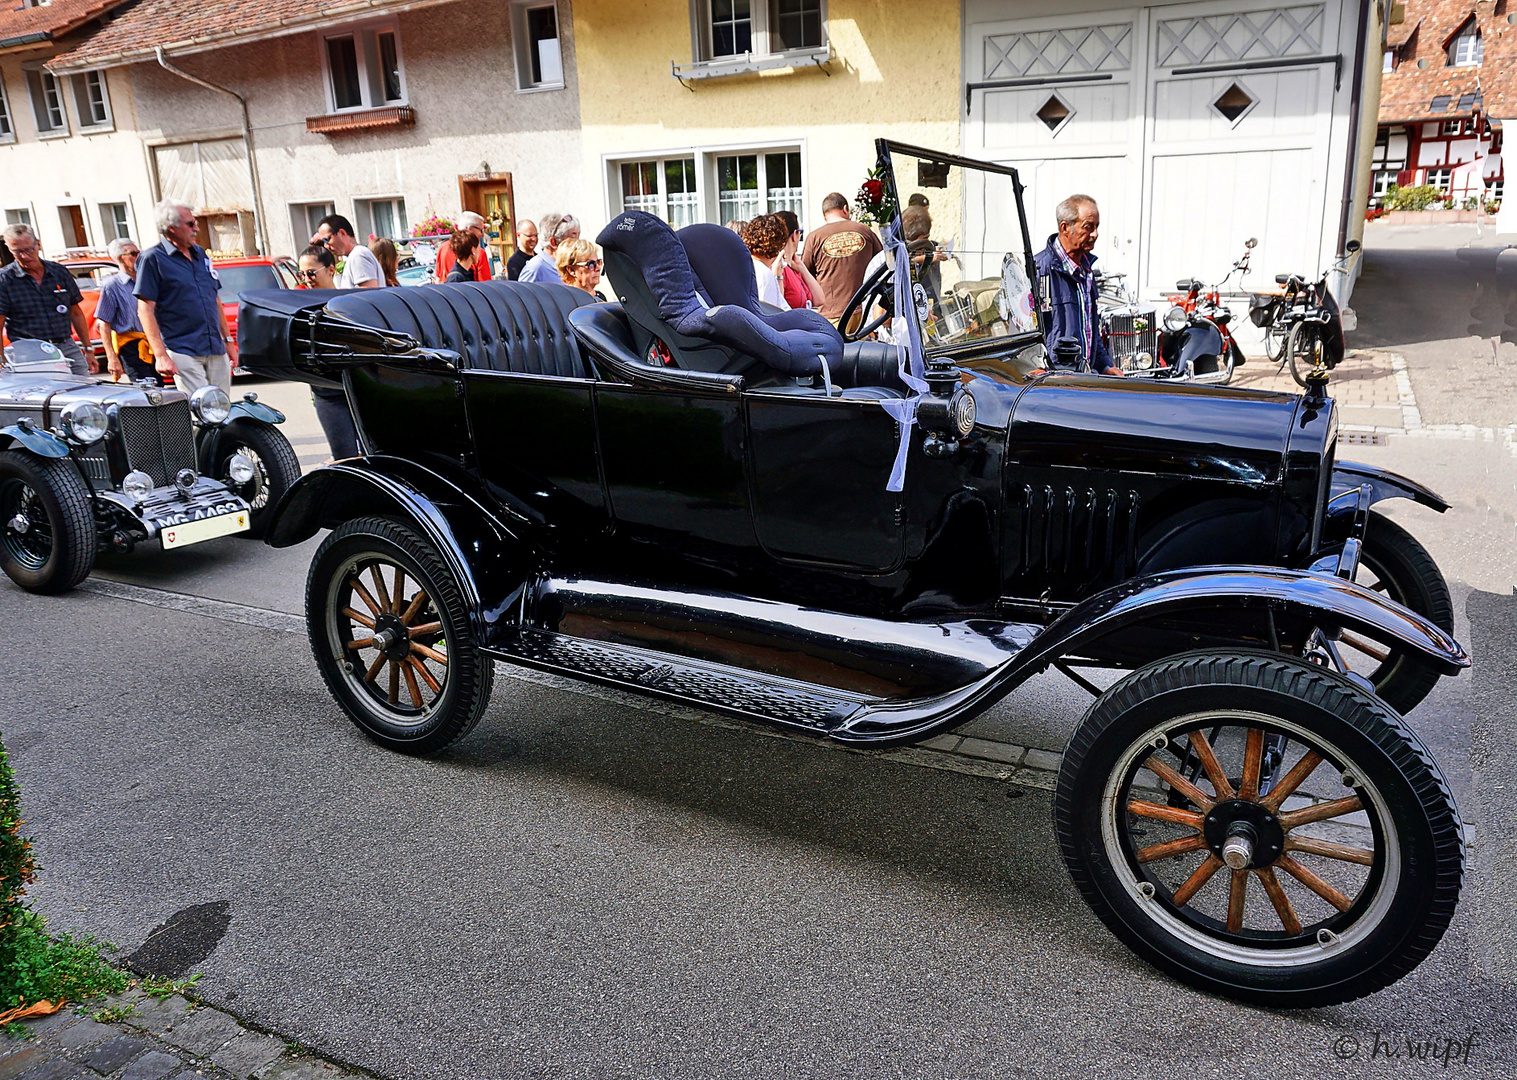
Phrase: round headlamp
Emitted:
{"points": [[137, 486], [83, 421], [1176, 318], [210, 405], [240, 468], [1144, 361], [963, 413]]}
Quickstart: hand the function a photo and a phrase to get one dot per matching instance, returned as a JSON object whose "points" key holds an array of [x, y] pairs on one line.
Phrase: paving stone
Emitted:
{"points": [[110, 1056], [153, 1066], [155, 1014], [1043, 759], [56, 1069], [995, 751], [203, 1032], [948, 743], [85, 1033], [302, 1069], [12, 1065], [248, 1053], [60, 1019]]}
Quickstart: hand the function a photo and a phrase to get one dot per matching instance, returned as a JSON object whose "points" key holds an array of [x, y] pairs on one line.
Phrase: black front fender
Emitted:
{"points": [[486, 556], [1384, 484], [1149, 618]]}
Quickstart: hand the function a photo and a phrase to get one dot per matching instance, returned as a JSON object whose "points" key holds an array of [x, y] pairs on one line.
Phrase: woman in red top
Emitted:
{"points": [[798, 283]]}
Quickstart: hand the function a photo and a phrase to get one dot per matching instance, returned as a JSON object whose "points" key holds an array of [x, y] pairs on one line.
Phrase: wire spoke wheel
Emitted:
{"points": [[47, 522], [24, 526], [1304, 349], [1259, 827]]}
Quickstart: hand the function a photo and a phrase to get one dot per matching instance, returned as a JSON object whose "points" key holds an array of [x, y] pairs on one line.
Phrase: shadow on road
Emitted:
{"points": [[1405, 297]]}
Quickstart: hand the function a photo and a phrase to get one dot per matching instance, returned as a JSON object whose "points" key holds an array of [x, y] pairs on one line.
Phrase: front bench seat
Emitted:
{"points": [[664, 298], [492, 325]]}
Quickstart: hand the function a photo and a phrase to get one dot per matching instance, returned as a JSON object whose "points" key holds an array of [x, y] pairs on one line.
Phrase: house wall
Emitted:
{"points": [[85, 170], [460, 77], [894, 73]]}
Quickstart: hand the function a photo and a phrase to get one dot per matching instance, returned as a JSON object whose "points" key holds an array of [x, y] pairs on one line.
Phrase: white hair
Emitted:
{"points": [[468, 219], [1068, 211], [17, 231], [567, 227], [118, 245], [166, 214]]}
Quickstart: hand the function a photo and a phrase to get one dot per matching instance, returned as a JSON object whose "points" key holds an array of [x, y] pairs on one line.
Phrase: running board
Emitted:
{"points": [[746, 694]]}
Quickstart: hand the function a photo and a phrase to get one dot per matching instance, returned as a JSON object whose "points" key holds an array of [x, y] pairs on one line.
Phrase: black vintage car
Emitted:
{"points": [[89, 466], [687, 494]]}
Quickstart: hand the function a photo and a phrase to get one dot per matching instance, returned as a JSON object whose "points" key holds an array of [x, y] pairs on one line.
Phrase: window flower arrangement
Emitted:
{"points": [[434, 224]]}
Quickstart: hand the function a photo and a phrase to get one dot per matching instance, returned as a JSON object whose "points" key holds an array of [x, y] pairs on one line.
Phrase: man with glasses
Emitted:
{"points": [[126, 349], [40, 299], [179, 304]]}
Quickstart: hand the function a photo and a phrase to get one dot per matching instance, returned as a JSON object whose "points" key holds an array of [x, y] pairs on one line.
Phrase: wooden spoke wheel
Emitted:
{"points": [[390, 633], [1260, 827]]}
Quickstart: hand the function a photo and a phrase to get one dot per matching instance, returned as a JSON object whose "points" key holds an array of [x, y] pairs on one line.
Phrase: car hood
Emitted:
{"points": [[48, 391], [1096, 422]]}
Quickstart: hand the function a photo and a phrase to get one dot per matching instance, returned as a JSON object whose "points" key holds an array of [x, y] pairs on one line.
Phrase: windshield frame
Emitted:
{"points": [[884, 148]]}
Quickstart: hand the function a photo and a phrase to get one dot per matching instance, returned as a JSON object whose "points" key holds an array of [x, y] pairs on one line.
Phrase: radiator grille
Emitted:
{"points": [[1132, 332], [1083, 533], [93, 461], [158, 439]]}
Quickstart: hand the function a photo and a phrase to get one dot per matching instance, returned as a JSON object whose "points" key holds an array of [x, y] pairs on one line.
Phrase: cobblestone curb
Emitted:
{"points": [[151, 1038]]}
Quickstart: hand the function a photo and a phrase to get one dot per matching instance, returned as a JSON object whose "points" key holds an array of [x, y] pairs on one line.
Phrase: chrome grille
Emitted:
{"points": [[1131, 332], [158, 439]]}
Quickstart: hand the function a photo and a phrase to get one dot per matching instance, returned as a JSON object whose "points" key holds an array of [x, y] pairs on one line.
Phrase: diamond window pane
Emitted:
{"points": [[1053, 113], [1234, 102]]}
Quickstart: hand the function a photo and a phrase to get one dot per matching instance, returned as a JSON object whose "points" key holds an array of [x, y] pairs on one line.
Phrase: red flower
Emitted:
{"points": [[874, 189]]}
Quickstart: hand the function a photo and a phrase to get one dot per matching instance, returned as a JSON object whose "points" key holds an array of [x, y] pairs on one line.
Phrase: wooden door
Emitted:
{"points": [[72, 218], [489, 195]]}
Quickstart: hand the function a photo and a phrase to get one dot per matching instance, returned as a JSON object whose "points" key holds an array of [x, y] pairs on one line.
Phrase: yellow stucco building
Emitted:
{"points": [[710, 110]]}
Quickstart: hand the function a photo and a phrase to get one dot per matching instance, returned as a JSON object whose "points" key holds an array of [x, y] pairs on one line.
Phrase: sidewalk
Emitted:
{"points": [[134, 1036], [1365, 386]]}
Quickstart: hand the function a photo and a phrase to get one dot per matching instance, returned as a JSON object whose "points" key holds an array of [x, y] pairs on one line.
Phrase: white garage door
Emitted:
{"points": [[1194, 126]]}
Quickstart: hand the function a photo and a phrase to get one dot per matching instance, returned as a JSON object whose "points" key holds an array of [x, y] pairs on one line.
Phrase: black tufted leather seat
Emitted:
{"points": [[492, 325]]}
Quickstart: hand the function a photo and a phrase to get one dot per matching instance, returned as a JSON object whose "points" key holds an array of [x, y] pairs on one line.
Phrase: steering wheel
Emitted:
{"points": [[878, 287]]}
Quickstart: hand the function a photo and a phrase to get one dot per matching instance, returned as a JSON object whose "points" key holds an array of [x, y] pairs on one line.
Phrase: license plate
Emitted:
{"points": [[193, 532]]}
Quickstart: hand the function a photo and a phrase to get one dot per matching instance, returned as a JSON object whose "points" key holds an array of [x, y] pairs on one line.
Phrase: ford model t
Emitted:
{"points": [[87, 467], [690, 495]]}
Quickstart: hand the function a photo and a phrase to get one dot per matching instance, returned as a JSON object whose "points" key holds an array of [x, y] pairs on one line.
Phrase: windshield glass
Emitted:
{"points": [[239, 279], [968, 257]]}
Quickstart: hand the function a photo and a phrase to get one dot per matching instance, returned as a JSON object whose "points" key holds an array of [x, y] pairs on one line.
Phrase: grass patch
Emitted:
{"points": [[155, 987]]}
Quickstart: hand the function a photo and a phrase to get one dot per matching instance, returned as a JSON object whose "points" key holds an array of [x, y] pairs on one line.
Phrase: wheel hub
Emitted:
{"points": [[392, 637], [1243, 834], [19, 524]]}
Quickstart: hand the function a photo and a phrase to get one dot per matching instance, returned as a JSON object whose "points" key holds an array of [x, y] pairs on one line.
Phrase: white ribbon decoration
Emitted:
{"points": [[909, 357]]}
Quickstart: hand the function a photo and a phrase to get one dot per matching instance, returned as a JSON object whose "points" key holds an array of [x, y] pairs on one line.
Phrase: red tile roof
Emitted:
{"points": [[180, 27], [1407, 93], [52, 20]]}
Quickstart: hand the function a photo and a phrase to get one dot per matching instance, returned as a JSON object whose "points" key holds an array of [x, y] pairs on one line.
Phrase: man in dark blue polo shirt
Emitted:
{"points": [[40, 299], [178, 305]]}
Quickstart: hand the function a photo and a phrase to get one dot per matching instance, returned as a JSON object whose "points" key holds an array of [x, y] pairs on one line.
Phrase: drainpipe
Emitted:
{"points": [[1356, 94], [247, 140]]}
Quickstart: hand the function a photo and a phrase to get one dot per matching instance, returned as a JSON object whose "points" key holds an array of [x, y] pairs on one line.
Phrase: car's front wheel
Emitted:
{"points": [[275, 467], [391, 635], [47, 522], [1260, 828]]}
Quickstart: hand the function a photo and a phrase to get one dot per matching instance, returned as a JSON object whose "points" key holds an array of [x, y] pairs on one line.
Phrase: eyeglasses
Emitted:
{"points": [[590, 264], [308, 275]]}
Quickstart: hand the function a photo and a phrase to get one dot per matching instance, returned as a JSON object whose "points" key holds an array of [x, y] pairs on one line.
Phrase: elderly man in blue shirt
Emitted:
{"points": [[116, 318], [178, 303], [1066, 269]]}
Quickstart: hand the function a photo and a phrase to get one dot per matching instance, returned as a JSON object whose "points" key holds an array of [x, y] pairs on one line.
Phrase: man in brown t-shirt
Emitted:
{"points": [[838, 253]]}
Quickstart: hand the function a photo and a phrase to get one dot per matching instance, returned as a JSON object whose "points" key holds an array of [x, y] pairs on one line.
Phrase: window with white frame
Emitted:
{"points": [[539, 55], [364, 68], [664, 187], [19, 215], [729, 29], [113, 221], [1384, 180], [1441, 179], [1452, 127], [304, 219], [92, 100], [382, 217], [47, 102], [1467, 50], [750, 185], [7, 128]]}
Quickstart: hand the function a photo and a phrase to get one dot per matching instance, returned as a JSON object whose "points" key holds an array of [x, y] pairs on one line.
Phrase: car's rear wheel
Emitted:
{"points": [[1260, 828], [391, 635], [275, 467], [47, 522]]}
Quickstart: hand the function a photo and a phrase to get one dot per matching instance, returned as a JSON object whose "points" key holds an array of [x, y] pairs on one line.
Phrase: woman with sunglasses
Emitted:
{"points": [[318, 268], [579, 265]]}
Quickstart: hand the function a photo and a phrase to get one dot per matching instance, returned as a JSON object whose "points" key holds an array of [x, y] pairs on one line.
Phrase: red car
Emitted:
{"points": [[251, 272]]}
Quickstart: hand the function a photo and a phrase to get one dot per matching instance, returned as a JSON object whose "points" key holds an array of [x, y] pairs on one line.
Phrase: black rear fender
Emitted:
{"points": [[485, 554]]}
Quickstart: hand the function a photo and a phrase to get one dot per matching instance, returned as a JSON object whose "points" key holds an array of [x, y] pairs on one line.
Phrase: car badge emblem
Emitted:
{"points": [[154, 397]]}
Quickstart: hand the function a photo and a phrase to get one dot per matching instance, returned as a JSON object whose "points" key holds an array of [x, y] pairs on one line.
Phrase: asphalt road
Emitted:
{"points": [[585, 888]]}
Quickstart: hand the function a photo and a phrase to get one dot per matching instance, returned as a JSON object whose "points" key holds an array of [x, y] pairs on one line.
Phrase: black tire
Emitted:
{"points": [[1275, 337], [277, 468], [55, 550], [1303, 347], [1392, 562], [458, 688], [1394, 899]]}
